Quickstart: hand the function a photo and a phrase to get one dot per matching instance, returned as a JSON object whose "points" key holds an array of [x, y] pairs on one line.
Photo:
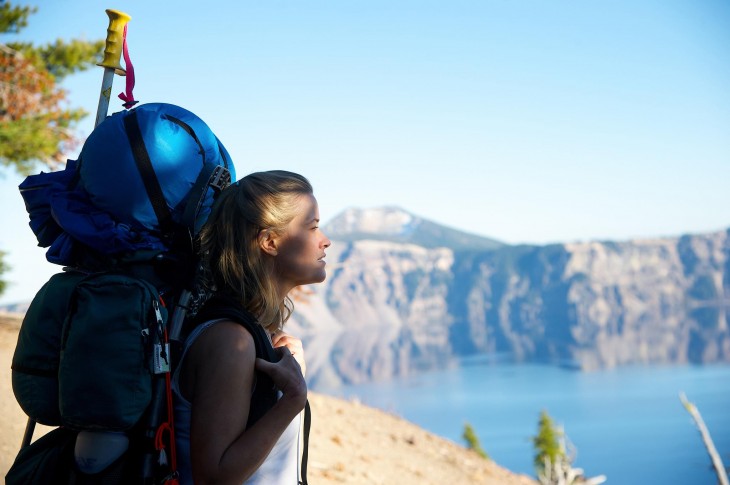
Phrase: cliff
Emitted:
{"points": [[391, 306]]}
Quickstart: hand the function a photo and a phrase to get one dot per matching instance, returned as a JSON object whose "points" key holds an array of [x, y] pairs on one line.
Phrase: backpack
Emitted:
{"points": [[95, 348]]}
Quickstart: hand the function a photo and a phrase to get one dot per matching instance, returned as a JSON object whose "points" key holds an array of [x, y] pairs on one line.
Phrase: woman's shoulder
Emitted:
{"points": [[224, 337], [222, 348]]}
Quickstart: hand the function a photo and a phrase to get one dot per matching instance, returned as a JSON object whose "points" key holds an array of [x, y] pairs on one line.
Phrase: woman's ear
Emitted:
{"points": [[268, 242]]}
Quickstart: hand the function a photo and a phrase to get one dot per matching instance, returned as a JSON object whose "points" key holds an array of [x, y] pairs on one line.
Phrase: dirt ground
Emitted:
{"points": [[350, 443]]}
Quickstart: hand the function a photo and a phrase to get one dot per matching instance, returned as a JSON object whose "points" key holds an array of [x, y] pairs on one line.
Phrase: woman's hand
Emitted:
{"points": [[287, 377], [281, 339]]}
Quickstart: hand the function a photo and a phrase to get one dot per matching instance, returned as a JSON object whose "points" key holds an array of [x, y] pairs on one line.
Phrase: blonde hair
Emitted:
{"points": [[232, 260]]}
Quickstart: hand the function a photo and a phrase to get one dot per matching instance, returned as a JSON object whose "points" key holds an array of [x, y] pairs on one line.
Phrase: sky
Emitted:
{"points": [[527, 121]]}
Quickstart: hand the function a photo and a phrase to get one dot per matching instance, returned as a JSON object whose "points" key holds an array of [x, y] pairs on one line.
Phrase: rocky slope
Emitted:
{"points": [[390, 307], [350, 443]]}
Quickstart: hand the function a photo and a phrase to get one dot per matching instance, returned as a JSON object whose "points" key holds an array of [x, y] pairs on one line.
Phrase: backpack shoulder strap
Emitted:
{"points": [[265, 393], [305, 450], [223, 307]]}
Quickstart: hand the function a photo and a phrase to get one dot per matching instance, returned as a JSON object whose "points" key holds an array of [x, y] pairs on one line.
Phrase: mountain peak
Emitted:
{"points": [[390, 223], [383, 221]]}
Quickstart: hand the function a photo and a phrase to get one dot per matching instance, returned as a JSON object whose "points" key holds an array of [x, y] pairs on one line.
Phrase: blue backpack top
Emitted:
{"points": [[144, 177]]}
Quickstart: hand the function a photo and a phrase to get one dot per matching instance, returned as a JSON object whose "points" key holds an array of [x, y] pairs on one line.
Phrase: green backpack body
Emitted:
{"points": [[91, 352], [86, 351]]}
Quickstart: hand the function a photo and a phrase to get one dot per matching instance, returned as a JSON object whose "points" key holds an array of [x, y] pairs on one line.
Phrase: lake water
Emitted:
{"points": [[626, 423]]}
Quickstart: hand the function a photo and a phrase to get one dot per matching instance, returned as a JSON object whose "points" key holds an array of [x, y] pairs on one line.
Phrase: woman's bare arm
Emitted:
{"points": [[219, 373]]}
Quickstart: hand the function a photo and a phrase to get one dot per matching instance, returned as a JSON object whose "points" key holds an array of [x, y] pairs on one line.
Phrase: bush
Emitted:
{"points": [[472, 441]]}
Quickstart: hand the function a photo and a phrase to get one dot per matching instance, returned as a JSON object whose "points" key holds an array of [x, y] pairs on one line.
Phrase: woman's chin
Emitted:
{"points": [[322, 274]]}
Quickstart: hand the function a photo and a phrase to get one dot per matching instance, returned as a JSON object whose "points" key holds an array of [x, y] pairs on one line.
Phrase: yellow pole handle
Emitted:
{"points": [[114, 41]]}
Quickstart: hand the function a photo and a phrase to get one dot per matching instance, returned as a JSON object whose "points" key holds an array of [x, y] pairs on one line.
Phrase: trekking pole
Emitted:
{"points": [[28, 435], [110, 63]]}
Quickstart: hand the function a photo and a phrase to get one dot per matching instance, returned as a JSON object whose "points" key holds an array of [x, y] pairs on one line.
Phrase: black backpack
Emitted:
{"points": [[95, 349], [50, 459]]}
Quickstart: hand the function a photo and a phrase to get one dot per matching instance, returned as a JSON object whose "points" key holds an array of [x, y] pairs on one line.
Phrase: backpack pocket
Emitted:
{"points": [[36, 357], [105, 381]]}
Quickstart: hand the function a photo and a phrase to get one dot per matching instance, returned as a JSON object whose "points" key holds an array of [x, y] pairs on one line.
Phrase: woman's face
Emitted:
{"points": [[300, 250]]}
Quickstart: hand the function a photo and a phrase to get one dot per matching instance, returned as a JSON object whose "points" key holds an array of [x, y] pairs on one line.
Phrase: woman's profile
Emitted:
{"points": [[262, 239]]}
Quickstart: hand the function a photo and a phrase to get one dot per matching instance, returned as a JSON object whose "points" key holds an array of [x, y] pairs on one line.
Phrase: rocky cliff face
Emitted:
{"points": [[390, 307]]}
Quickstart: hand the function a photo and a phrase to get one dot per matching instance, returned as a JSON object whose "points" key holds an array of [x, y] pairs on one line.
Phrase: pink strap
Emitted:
{"points": [[128, 96]]}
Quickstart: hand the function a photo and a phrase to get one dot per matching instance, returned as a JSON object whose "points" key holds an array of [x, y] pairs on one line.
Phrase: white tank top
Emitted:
{"points": [[281, 467]]}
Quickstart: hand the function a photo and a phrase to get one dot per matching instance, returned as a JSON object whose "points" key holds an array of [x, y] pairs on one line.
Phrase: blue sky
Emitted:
{"points": [[526, 121]]}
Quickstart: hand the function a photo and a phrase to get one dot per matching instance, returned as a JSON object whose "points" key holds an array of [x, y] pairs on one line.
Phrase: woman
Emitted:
{"points": [[261, 240]]}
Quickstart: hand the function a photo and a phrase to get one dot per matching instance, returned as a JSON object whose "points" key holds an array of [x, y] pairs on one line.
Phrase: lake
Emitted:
{"points": [[625, 423]]}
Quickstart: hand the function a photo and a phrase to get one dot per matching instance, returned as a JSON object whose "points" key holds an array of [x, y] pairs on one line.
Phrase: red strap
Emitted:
{"points": [[128, 95], [170, 411], [168, 427]]}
